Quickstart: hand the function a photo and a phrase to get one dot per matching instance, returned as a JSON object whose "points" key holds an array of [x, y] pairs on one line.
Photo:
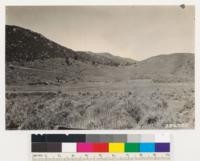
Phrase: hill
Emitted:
{"points": [[178, 63], [23, 45], [174, 66]]}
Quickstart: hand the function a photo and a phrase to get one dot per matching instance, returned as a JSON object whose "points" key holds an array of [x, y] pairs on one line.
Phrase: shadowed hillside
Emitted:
{"points": [[24, 45]]}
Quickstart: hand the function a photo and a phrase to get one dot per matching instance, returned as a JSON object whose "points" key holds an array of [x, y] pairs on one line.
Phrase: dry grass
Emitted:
{"points": [[140, 107]]}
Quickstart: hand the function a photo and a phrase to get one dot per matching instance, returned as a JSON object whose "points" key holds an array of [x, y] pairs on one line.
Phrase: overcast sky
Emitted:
{"points": [[137, 32]]}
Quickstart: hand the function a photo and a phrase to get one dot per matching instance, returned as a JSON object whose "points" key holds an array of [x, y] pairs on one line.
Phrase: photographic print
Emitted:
{"points": [[100, 67]]}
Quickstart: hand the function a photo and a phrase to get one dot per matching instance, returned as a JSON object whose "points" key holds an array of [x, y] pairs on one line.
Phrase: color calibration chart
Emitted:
{"points": [[101, 147]]}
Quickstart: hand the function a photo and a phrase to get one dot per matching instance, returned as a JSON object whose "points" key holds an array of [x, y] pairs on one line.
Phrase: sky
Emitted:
{"points": [[136, 32]]}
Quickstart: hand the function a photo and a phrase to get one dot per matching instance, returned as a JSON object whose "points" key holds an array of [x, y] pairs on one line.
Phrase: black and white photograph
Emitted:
{"points": [[100, 67]]}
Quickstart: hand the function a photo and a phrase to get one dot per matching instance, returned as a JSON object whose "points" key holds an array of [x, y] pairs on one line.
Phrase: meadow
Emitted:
{"points": [[137, 104]]}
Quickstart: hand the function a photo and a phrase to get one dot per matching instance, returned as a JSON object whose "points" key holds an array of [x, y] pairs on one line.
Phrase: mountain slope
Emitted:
{"points": [[24, 45]]}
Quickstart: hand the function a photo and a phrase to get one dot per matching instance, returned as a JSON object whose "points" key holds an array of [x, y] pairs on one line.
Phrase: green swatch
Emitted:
{"points": [[132, 147]]}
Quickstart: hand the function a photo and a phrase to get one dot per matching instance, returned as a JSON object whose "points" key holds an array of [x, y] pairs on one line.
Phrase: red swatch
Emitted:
{"points": [[100, 147]]}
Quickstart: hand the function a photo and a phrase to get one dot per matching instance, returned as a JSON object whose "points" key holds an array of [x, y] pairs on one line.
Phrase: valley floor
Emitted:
{"points": [[134, 104]]}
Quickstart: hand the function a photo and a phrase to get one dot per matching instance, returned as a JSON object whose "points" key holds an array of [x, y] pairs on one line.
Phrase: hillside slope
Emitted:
{"points": [[178, 63], [23, 45], [172, 67]]}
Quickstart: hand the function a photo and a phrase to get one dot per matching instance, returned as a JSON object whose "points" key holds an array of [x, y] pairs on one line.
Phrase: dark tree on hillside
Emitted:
{"points": [[67, 61]]}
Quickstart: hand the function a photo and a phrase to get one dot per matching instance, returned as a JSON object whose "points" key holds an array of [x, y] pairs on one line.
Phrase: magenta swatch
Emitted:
{"points": [[84, 147]]}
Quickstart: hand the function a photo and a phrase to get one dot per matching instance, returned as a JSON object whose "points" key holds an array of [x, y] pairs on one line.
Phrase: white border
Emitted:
{"points": [[182, 138]]}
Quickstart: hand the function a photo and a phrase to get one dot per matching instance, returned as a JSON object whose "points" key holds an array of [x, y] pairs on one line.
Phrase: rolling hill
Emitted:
{"points": [[177, 66], [30, 58]]}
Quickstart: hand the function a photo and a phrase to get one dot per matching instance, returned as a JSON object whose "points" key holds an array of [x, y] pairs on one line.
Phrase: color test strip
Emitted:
{"points": [[101, 147], [136, 138], [101, 143]]}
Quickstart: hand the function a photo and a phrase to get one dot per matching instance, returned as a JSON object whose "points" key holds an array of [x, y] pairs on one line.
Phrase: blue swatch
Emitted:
{"points": [[147, 147]]}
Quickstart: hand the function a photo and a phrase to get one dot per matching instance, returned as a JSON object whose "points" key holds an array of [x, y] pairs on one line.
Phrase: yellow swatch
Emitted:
{"points": [[116, 147]]}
